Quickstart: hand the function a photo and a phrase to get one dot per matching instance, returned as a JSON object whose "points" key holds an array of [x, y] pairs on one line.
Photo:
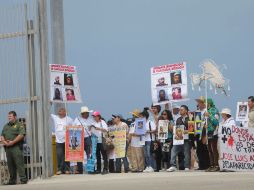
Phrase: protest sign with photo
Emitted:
{"points": [[132, 128], [74, 144], [242, 111], [64, 85], [163, 129], [199, 127], [198, 116], [178, 136], [191, 127], [140, 126], [169, 83], [236, 148]]}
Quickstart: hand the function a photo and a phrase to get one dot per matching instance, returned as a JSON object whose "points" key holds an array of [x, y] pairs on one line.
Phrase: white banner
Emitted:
{"points": [[236, 148], [169, 83], [64, 85]]}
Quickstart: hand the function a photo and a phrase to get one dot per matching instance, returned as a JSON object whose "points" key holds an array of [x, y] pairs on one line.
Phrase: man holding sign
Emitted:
{"points": [[120, 143], [183, 148]]}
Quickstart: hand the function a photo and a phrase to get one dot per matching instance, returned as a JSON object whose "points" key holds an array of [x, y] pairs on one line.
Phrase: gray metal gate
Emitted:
{"points": [[24, 81]]}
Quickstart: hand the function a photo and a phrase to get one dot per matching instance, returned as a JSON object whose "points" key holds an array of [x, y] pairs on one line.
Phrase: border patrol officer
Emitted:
{"points": [[13, 135]]}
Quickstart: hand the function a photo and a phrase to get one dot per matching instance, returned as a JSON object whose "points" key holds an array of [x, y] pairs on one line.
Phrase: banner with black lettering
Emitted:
{"points": [[236, 146]]}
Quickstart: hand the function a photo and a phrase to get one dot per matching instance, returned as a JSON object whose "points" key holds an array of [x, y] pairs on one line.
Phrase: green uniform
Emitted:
{"points": [[14, 154]]}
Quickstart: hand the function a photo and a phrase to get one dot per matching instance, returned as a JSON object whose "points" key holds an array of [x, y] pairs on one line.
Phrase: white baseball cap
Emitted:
{"points": [[226, 111]]}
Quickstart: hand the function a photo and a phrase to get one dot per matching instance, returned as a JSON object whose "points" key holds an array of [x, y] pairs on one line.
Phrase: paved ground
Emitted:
{"points": [[151, 181]]}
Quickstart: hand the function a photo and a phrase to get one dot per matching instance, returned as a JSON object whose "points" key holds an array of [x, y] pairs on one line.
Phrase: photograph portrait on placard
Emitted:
{"points": [[162, 95], [177, 93], [70, 94], [68, 79], [176, 77], [58, 96]]}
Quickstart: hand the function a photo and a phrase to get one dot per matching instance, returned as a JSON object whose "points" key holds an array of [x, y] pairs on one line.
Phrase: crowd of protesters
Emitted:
{"points": [[145, 153]]}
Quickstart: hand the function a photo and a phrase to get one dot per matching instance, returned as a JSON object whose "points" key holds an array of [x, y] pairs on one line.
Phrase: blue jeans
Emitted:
{"points": [[185, 149], [125, 162], [149, 160], [119, 164]]}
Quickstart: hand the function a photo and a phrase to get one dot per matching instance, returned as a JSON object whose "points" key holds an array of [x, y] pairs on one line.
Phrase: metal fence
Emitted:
{"points": [[23, 81]]}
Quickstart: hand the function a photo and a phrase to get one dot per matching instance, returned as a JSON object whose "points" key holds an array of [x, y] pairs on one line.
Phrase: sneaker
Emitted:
{"points": [[23, 182], [58, 173], [186, 169], [171, 169], [146, 170], [150, 169], [209, 169], [67, 172], [215, 169]]}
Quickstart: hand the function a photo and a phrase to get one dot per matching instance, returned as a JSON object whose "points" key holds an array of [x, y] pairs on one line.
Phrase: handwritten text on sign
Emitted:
{"points": [[236, 148]]}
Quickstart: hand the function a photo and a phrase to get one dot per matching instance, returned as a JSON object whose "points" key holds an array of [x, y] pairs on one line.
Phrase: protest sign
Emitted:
{"points": [[178, 136], [64, 85], [242, 111], [140, 126], [236, 148], [169, 83], [132, 128], [74, 144], [191, 127], [120, 141], [198, 127], [163, 129]]}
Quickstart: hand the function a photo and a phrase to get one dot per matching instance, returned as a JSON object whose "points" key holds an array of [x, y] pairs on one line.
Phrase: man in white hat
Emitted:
{"points": [[85, 121]]}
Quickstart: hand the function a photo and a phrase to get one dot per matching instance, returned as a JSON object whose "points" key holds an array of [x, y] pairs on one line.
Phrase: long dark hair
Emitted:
{"points": [[145, 113], [169, 115]]}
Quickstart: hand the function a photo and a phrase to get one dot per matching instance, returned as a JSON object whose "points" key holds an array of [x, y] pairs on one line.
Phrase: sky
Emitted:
{"points": [[114, 44]]}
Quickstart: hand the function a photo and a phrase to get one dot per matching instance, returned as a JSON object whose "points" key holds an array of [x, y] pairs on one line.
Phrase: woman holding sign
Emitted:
{"points": [[227, 121], [98, 129], [167, 145]]}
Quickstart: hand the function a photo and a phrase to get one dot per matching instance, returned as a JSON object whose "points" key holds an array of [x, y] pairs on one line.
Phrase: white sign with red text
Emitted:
{"points": [[64, 85], [169, 83]]}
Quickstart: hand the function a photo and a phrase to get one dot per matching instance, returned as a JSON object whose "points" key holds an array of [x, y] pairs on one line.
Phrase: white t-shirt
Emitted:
{"points": [[153, 127], [101, 124], [60, 127], [175, 117], [228, 123], [85, 123]]}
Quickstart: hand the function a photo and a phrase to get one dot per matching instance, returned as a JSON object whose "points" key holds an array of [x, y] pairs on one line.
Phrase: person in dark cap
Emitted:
{"points": [[117, 119]]}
